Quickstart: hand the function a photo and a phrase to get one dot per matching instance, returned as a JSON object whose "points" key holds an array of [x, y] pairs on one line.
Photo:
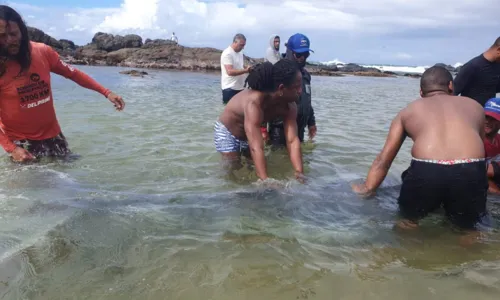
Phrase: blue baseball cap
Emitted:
{"points": [[492, 108], [299, 43]]}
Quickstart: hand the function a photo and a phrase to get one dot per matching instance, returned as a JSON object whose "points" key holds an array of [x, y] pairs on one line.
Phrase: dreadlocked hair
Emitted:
{"points": [[266, 77]]}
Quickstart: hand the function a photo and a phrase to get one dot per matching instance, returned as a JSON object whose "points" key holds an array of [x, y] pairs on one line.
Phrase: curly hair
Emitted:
{"points": [[266, 77]]}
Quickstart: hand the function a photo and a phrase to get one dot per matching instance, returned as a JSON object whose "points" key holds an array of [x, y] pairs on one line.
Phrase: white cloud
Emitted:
{"points": [[216, 19]]}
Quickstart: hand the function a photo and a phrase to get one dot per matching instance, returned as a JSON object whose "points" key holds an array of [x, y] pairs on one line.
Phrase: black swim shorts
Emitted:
{"points": [[460, 186], [55, 147], [227, 94]]}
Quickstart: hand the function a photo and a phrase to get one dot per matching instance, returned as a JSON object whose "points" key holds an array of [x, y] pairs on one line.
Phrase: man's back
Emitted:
{"points": [[445, 127]]}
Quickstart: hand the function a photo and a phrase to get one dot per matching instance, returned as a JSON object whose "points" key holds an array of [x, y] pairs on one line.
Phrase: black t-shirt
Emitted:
{"points": [[478, 79]]}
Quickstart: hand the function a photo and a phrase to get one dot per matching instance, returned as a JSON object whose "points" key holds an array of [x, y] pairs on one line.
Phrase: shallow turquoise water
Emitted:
{"points": [[144, 210]]}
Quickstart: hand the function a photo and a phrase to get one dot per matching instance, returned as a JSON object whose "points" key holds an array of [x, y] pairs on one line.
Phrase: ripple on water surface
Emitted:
{"points": [[145, 210]]}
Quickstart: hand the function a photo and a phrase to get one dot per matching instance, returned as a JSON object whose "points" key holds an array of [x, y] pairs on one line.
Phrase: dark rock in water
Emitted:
{"points": [[412, 75], [389, 73], [447, 67], [134, 73], [354, 68], [108, 42]]}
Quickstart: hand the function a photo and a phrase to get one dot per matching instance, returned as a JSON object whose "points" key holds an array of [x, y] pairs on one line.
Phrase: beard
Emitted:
{"points": [[5, 51]]}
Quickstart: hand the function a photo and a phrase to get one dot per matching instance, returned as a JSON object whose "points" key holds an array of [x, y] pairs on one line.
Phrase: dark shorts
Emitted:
{"points": [[56, 146], [460, 187], [227, 94], [277, 133]]}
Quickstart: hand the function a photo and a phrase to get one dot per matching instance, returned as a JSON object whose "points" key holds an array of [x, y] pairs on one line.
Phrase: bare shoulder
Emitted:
{"points": [[252, 100], [471, 104]]}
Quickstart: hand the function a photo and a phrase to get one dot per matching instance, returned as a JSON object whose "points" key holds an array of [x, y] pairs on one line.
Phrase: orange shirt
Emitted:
{"points": [[26, 103]]}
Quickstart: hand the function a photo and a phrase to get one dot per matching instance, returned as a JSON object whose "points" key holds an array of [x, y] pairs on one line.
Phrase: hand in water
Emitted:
{"points": [[361, 189], [265, 136], [21, 155], [300, 177], [312, 132], [117, 101]]}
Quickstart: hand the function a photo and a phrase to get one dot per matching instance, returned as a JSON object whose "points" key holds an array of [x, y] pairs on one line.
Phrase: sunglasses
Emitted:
{"points": [[299, 55]]}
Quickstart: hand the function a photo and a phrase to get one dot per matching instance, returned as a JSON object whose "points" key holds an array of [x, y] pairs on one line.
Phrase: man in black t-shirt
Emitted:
{"points": [[479, 78]]}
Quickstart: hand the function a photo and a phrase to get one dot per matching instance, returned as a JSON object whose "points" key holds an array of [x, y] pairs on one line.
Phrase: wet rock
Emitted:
{"points": [[447, 67], [412, 75], [134, 73]]}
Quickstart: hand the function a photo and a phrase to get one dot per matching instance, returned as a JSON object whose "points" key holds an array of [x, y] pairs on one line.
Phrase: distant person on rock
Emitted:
{"points": [[479, 78], [273, 51], [273, 91], [28, 123], [174, 38], [298, 51], [233, 71], [448, 166]]}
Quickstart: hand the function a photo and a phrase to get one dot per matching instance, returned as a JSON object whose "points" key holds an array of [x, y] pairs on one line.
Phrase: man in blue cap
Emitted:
{"points": [[492, 143], [297, 50]]}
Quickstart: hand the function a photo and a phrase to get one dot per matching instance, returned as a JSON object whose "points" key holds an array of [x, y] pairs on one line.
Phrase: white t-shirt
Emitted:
{"points": [[230, 57]]}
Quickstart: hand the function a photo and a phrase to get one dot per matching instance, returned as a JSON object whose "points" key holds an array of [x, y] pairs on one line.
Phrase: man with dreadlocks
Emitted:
{"points": [[297, 50], [273, 91], [28, 124]]}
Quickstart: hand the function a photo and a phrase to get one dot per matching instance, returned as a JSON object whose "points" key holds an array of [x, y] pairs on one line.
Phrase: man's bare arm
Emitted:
{"points": [[383, 162], [292, 139], [253, 120], [233, 72]]}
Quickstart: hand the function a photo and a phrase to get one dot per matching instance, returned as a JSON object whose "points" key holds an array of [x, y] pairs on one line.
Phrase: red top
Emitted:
{"points": [[492, 149], [26, 103]]}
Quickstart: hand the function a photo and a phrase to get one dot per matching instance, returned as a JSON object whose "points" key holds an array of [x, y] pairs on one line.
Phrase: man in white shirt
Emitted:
{"points": [[233, 71]]}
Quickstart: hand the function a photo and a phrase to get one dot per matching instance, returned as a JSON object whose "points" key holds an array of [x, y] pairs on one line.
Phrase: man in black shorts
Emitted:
{"points": [[448, 166], [479, 78]]}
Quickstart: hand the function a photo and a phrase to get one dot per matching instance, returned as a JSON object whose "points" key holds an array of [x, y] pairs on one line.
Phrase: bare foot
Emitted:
{"points": [[406, 225], [471, 238]]}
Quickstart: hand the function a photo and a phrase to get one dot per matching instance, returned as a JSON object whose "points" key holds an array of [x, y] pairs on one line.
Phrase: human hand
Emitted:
{"points": [[21, 155], [248, 69], [361, 189], [265, 134], [300, 177], [312, 131], [117, 101]]}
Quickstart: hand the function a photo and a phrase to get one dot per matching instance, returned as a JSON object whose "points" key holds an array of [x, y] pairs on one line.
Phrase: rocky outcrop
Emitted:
{"points": [[39, 36], [108, 42], [130, 51]]}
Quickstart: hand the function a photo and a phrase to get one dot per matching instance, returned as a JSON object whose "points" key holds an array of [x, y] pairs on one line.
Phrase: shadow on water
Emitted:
{"points": [[158, 243]]}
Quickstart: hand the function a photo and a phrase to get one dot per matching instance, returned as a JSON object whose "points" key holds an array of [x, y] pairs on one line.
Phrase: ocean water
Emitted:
{"points": [[143, 209]]}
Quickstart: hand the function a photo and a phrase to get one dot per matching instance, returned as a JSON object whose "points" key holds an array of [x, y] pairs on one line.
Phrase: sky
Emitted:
{"points": [[397, 32]]}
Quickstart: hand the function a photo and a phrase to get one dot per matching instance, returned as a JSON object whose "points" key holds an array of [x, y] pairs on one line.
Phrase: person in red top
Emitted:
{"points": [[492, 143], [28, 124]]}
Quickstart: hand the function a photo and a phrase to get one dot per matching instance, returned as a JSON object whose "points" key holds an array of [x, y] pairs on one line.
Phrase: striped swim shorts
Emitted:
{"points": [[225, 142]]}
